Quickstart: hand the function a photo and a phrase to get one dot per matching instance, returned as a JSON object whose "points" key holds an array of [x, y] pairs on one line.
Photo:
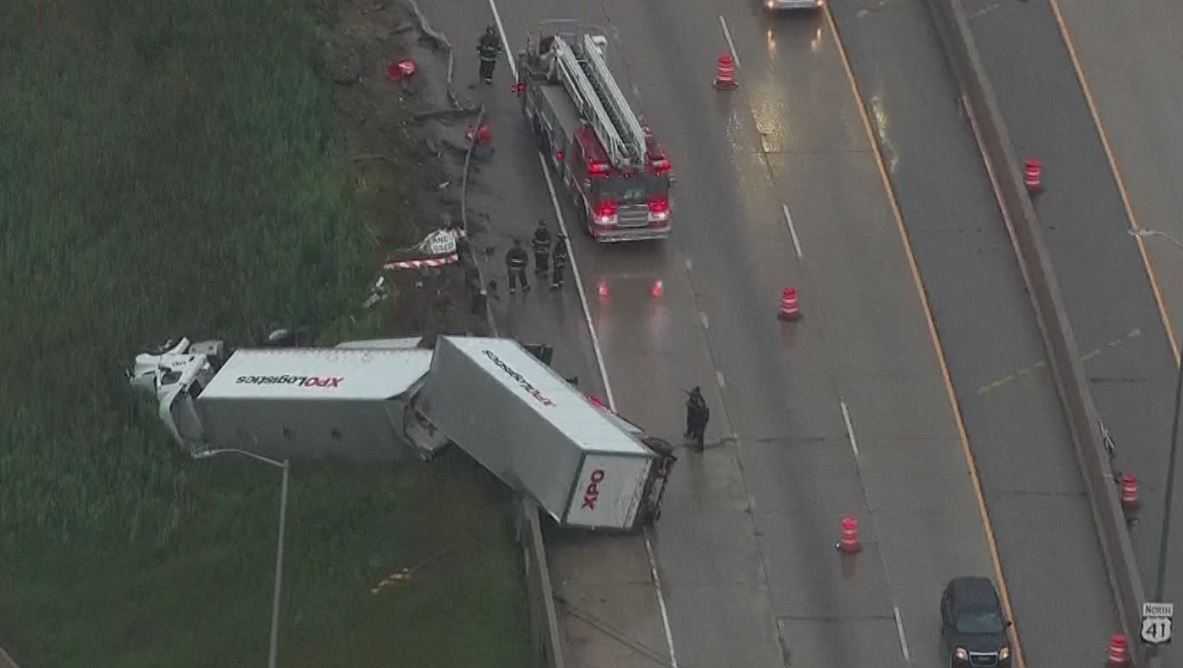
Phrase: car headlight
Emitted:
{"points": [[961, 654], [1004, 653]]}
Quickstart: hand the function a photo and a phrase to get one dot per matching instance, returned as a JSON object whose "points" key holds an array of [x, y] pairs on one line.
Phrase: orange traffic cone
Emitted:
{"points": [[725, 73], [1129, 492], [1119, 651], [849, 543], [483, 134], [789, 308], [401, 69], [1033, 175]]}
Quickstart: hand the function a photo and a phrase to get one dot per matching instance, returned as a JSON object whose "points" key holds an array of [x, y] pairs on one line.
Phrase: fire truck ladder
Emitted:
{"points": [[591, 85]]}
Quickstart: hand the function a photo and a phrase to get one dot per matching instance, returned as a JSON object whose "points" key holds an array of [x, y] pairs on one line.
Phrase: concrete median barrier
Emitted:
{"points": [[544, 620], [1063, 354]]}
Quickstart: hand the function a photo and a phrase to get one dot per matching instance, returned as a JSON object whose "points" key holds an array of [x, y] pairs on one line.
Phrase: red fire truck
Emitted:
{"points": [[617, 175]]}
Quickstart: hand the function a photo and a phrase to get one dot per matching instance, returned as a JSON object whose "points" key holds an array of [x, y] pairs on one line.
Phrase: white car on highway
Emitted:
{"points": [[793, 4]]}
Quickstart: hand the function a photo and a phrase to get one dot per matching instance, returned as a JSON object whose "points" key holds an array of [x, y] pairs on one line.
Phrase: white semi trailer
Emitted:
{"points": [[392, 399], [585, 466]]}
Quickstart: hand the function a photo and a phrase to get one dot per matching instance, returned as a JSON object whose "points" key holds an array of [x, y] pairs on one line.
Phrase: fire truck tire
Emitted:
{"points": [[584, 219]]}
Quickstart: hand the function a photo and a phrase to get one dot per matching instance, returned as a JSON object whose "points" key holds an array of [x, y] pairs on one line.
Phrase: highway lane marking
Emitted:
{"points": [[899, 627], [983, 11], [722, 381], [1028, 370], [730, 44], [706, 324], [665, 618], [513, 67], [595, 340], [792, 229], [849, 429], [689, 264], [1125, 197], [992, 544]]}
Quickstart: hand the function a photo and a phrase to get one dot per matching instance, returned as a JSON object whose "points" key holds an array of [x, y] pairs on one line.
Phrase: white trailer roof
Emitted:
{"points": [[538, 386], [318, 374]]}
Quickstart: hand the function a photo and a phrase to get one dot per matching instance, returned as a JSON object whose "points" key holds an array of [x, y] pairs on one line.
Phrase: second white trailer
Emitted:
{"points": [[542, 436]]}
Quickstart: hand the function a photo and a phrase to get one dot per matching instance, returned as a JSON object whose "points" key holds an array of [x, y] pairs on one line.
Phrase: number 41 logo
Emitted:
{"points": [[1156, 630]]}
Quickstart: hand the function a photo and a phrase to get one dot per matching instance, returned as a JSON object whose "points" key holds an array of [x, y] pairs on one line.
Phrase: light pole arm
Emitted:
{"points": [[205, 454]]}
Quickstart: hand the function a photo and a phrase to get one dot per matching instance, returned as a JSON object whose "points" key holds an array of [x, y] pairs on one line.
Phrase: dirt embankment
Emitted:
{"points": [[405, 141]]}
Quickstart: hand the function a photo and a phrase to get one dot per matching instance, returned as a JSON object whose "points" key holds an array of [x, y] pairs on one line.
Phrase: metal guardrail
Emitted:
{"points": [[1043, 288]]}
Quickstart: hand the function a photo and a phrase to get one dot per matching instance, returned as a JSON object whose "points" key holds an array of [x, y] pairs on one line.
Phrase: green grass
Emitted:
{"points": [[169, 168]]}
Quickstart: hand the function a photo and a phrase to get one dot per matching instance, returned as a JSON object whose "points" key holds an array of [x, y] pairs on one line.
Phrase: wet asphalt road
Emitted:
{"points": [[745, 547], [1132, 59], [1023, 448], [1107, 290]]}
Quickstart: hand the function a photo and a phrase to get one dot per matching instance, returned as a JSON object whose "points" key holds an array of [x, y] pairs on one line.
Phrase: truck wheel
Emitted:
{"points": [[581, 215]]}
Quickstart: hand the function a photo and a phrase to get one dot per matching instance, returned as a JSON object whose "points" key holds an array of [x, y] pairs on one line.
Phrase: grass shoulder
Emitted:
{"points": [[177, 168]]}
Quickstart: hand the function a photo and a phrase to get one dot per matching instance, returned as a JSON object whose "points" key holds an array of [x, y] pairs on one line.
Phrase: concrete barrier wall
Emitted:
{"points": [[544, 620], [1064, 356]]}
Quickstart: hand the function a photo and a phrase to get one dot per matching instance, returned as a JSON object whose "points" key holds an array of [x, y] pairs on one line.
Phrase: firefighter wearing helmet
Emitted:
{"points": [[489, 47]]}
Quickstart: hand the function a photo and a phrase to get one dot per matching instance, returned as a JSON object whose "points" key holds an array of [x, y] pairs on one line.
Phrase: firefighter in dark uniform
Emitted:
{"points": [[516, 261], [697, 416], [541, 246], [558, 260], [488, 47]]}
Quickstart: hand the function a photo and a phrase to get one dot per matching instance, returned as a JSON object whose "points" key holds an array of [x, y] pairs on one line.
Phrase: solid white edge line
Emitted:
{"points": [[849, 428], [722, 381], [550, 186], [899, 627], [665, 617], [792, 230], [706, 323], [513, 67], [727, 34], [595, 340]]}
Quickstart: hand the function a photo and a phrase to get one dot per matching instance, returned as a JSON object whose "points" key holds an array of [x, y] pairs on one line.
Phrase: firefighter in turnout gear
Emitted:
{"points": [[558, 261], [541, 246], [489, 47], [516, 261], [697, 416]]}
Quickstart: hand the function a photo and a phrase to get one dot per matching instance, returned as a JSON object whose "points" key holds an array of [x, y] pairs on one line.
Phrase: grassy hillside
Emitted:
{"points": [[169, 168]]}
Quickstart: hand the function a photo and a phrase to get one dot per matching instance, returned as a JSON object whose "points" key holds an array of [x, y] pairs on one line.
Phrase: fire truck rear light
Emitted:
{"points": [[658, 288], [605, 212], [602, 289], [659, 205], [597, 168], [660, 165]]}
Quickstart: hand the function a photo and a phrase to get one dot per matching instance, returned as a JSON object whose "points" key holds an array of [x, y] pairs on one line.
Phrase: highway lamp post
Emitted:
{"points": [[1172, 458], [283, 511]]}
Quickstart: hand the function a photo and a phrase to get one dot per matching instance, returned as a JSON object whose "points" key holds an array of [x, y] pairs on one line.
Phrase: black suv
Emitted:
{"points": [[972, 625]]}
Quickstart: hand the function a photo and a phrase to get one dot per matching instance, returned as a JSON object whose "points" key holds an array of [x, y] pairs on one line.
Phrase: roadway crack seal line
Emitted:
{"points": [[612, 632], [665, 620], [1042, 364], [1019, 661], [835, 618], [1125, 198]]}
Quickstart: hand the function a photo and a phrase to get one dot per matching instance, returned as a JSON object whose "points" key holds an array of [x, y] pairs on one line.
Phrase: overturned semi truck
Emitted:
{"points": [[395, 400]]}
